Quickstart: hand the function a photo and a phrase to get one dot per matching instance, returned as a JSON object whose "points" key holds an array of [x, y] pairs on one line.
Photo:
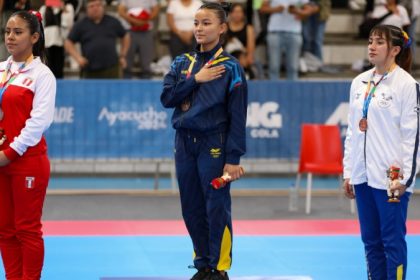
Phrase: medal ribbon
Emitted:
{"points": [[6, 82], [371, 93], [215, 56]]}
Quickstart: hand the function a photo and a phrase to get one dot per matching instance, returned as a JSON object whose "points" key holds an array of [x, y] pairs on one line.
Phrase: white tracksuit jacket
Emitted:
{"points": [[392, 136]]}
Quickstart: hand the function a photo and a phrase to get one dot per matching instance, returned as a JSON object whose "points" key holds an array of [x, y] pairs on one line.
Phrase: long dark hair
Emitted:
{"points": [[395, 36], [35, 26]]}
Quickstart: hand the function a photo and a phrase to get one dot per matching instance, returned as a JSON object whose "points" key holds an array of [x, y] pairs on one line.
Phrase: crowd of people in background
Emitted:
{"points": [[289, 33]]}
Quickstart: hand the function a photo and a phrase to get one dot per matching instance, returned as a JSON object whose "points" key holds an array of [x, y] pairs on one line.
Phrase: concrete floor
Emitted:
{"points": [[167, 206]]}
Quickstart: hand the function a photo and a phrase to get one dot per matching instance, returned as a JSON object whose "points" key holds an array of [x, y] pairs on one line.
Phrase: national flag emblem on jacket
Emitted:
{"points": [[27, 82]]}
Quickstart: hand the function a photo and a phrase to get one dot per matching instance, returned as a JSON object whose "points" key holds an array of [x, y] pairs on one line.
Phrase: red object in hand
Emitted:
{"points": [[394, 172], [220, 182]]}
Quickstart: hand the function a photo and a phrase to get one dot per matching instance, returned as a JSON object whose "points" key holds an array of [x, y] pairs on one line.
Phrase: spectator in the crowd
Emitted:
{"points": [[285, 34], [180, 18], [97, 34], [314, 27], [413, 9], [399, 16], [340, 3], [57, 19], [7, 8], [369, 7], [140, 14], [241, 31], [242, 58]]}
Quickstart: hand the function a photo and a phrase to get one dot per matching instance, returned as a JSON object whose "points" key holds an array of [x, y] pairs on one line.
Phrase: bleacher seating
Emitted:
{"points": [[341, 46]]}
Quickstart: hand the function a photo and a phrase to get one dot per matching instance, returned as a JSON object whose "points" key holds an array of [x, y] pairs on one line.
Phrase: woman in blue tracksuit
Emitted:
{"points": [[383, 134], [208, 90]]}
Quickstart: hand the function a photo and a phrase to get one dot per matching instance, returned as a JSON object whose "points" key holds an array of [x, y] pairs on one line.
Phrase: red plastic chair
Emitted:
{"points": [[321, 153]]}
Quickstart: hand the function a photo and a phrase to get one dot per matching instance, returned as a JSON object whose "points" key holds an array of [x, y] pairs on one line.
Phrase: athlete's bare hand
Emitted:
{"points": [[209, 73], [234, 171], [348, 189], [3, 159]]}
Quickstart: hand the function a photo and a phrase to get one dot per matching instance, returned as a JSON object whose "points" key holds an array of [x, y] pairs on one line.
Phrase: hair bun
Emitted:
{"points": [[227, 6]]}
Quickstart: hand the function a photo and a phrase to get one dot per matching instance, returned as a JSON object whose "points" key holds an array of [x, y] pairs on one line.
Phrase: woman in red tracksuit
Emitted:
{"points": [[27, 97]]}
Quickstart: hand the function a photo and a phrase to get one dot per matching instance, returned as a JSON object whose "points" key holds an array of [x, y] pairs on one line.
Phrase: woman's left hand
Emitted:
{"points": [[235, 171], [396, 185], [3, 159]]}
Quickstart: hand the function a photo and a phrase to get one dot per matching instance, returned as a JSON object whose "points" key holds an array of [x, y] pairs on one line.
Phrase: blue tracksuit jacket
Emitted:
{"points": [[218, 105], [210, 120]]}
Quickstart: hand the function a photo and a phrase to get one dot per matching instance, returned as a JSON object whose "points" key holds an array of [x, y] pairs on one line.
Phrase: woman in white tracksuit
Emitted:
{"points": [[383, 131]]}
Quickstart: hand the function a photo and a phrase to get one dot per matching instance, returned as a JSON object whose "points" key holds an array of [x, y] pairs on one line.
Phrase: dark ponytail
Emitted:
{"points": [[34, 21], [396, 37]]}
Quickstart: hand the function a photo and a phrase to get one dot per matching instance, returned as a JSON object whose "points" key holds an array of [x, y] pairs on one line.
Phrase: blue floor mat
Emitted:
{"points": [[317, 257]]}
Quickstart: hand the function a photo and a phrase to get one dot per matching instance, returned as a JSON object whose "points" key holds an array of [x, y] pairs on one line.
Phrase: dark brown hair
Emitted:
{"points": [[35, 26], [395, 37], [220, 9]]}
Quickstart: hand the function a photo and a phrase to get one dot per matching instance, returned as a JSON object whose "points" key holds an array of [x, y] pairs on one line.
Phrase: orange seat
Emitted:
{"points": [[321, 153]]}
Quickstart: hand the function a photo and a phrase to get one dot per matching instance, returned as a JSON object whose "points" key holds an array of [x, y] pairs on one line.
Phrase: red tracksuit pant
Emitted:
{"points": [[23, 186]]}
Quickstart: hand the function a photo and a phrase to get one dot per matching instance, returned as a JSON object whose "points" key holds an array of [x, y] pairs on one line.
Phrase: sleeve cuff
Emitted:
{"points": [[232, 159], [11, 154]]}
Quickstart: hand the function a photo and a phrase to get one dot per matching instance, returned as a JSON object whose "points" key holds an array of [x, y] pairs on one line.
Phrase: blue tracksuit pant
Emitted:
{"points": [[200, 158], [383, 228]]}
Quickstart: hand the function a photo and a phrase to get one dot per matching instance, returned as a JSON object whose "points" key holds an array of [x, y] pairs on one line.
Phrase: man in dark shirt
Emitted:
{"points": [[97, 34]]}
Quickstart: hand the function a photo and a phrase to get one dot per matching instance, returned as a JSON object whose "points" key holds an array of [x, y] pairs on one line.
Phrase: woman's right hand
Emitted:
{"points": [[209, 73], [348, 189]]}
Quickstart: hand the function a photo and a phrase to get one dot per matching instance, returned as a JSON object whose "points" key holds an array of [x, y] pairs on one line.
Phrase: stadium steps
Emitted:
{"points": [[341, 46]]}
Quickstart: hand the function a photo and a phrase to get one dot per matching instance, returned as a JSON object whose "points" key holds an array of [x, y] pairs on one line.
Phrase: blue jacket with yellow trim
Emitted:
{"points": [[218, 105]]}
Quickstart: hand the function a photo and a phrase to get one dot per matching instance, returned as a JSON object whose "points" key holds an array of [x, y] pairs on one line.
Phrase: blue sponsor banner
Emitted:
{"points": [[124, 119]]}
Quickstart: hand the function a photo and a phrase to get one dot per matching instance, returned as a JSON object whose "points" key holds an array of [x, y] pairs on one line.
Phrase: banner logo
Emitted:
{"points": [[264, 119], [64, 115], [149, 119], [340, 117]]}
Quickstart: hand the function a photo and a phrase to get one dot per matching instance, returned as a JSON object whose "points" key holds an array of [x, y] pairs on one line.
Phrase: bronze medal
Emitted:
{"points": [[185, 106], [363, 125]]}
